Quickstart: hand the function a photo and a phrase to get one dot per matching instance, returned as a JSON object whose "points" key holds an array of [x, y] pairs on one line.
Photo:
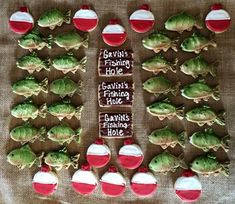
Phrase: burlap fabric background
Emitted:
{"points": [[15, 185]]}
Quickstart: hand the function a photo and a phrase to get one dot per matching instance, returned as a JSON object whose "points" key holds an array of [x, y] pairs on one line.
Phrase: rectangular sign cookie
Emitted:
{"points": [[115, 62], [115, 94], [115, 125]]}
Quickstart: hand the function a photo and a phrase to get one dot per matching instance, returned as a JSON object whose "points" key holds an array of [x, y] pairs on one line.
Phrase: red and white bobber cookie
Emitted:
{"points": [[45, 181], [114, 34], [130, 156], [85, 19], [84, 180], [142, 20], [217, 20], [98, 154], [143, 183], [188, 187], [21, 21], [112, 183]]}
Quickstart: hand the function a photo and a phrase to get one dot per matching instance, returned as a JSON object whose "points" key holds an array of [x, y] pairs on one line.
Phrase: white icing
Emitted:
{"points": [[144, 178], [218, 15], [188, 183], [142, 15], [96, 149], [21, 17], [86, 177], [113, 178], [86, 14], [45, 178], [113, 29], [131, 150]]}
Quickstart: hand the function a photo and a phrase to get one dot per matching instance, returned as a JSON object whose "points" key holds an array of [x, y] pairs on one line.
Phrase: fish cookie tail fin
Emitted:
{"points": [[225, 141], [220, 120], [79, 87], [42, 134], [85, 41], [175, 89], [67, 17], [39, 160], [47, 64], [216, 93], [212, 40], [49, 41], [173, 67], [44, 85], [82, 63], [182, 138], [199, 21], [213, 68], [225, 168], [182, 163], [43, 110], [75, 161], [78, 132], [174, 45], [180, 112], [78, 112]]}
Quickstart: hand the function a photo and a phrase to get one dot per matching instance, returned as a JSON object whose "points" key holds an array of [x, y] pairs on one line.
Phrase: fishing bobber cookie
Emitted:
{"points": [[142, 20], [188, 187], [114, 34], [84, 180], [112, 183], [143, 183], [21, 21], [45, 181], [217, 20], [98, 154], [85, 19], [130, 156]]}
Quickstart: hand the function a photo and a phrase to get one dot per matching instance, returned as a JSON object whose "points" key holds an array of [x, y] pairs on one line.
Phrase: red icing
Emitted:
{"points": [[188, 195], [98, 160], [143, 169], [113, 21], [86, 167], [216, 7], [141, 26], [188, 173], [114, 39], [130, 162], [112, 169], [128, 141], [112, 189], [145, 7], [99, 141], [85, 24], [45, 168], [20, 27], [83, 188], [85, 7], [143, 189], [44, 189], [24, 9], [218, 26]]}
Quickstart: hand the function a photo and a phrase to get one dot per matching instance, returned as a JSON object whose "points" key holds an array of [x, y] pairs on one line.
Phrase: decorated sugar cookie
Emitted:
{"points": [[21, 21], [217, 20], [142, 20], [112, 183], [85, 19], [130, 156], [114, 34], [188, 187], [45, 181], [143, 183], [98, 154], [84, 180]]}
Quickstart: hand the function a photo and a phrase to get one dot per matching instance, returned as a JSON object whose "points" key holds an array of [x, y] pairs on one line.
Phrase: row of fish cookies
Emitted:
{"points": [[61, 134], [61, 109]]}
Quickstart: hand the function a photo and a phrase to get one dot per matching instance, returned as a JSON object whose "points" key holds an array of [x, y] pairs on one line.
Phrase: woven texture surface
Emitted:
{"points": [[16, 185]]}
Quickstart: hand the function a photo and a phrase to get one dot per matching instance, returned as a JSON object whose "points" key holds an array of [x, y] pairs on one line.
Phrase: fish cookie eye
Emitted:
{"points": [[186, 64], [12, 155], [196, 162], [155, 161]]}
